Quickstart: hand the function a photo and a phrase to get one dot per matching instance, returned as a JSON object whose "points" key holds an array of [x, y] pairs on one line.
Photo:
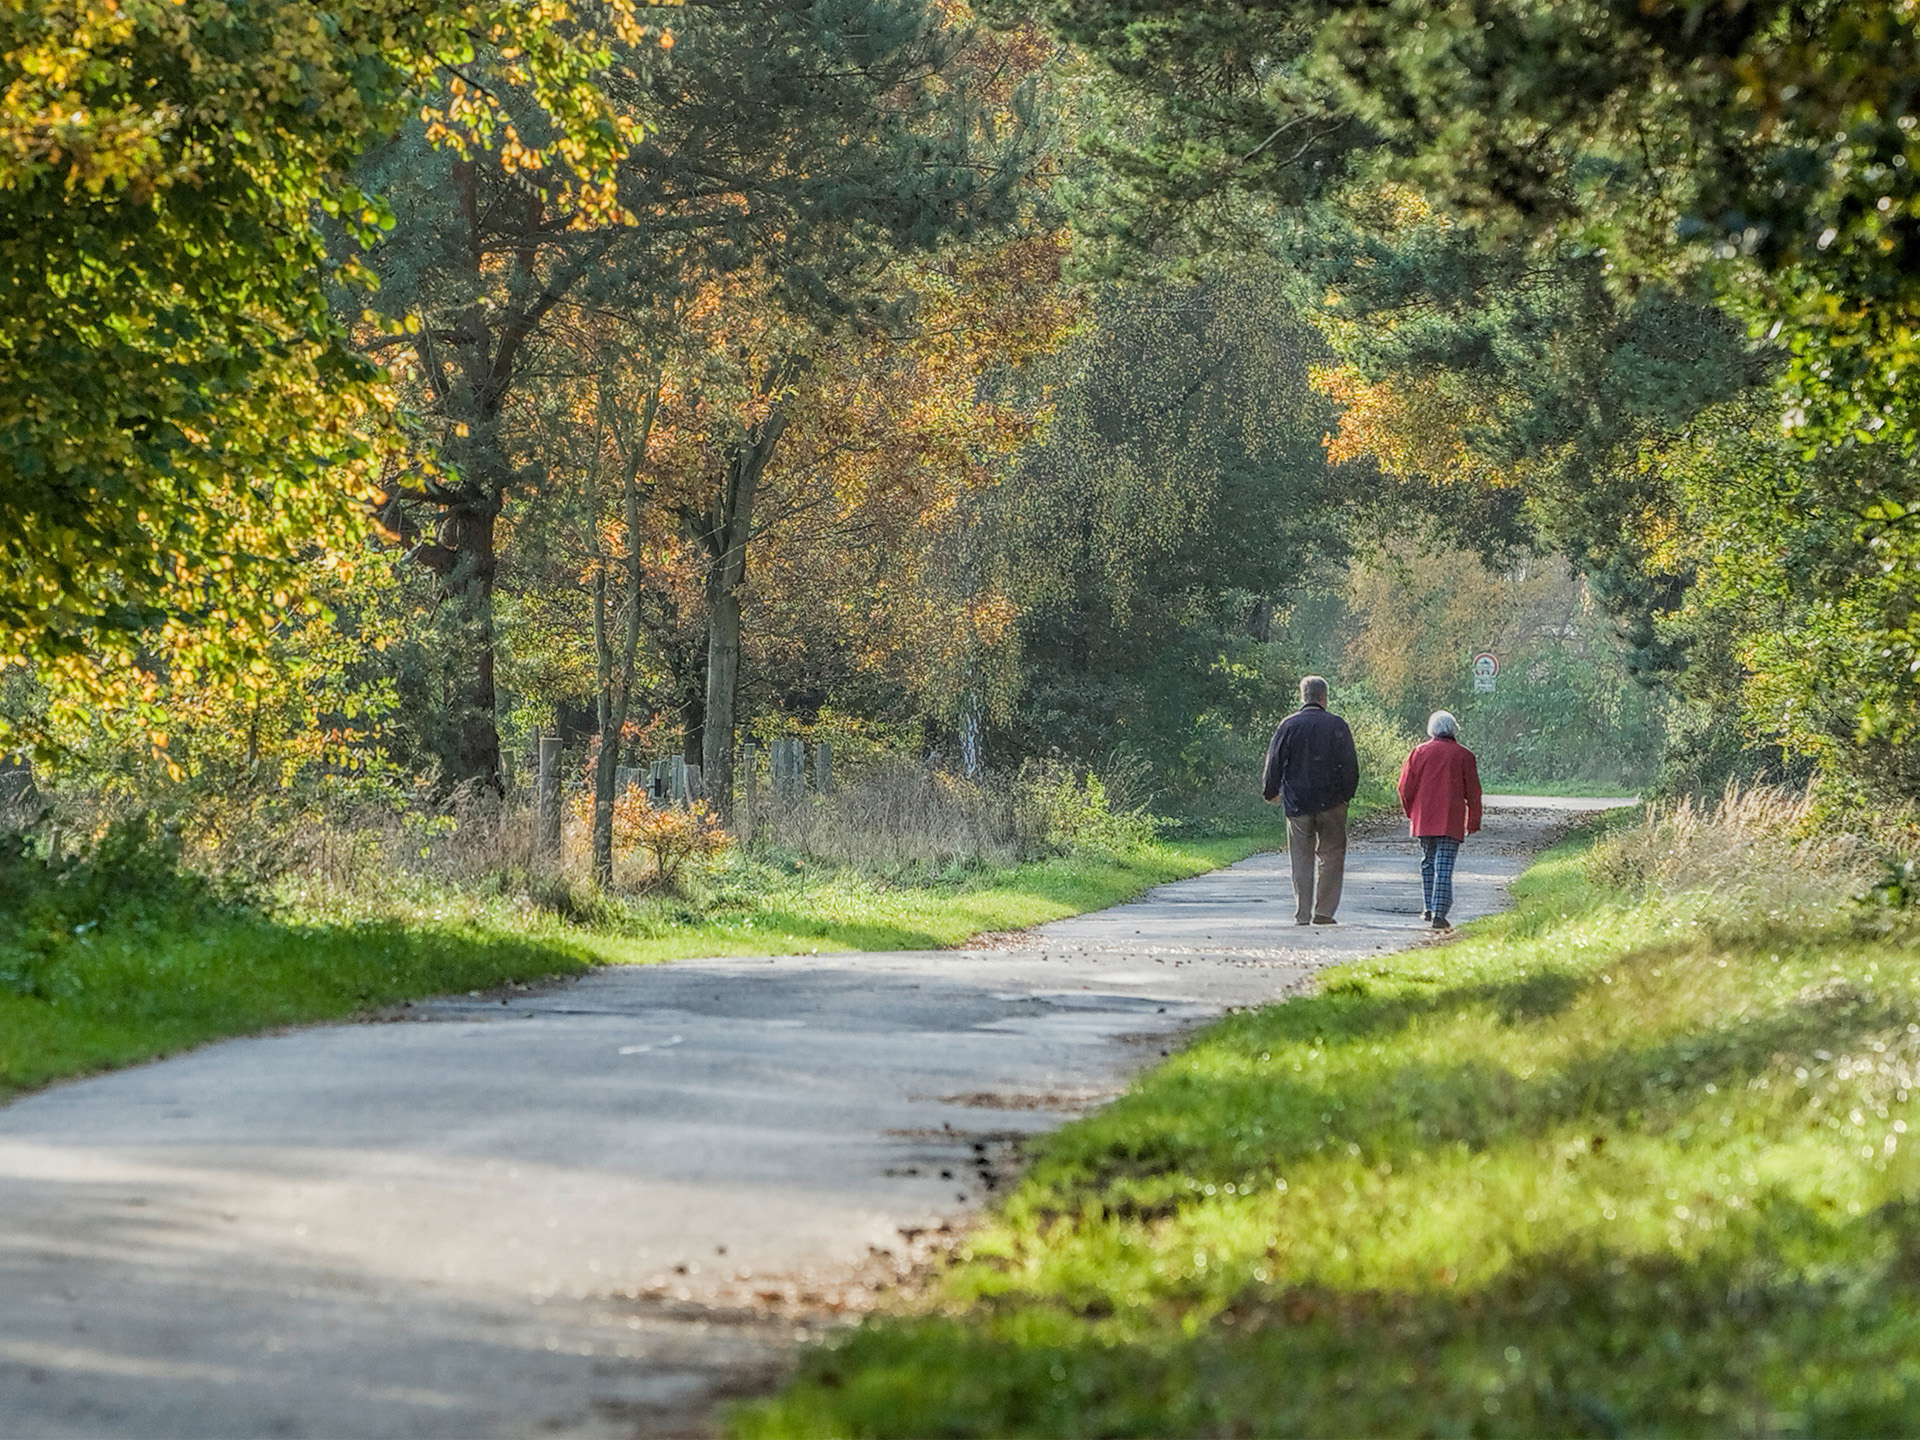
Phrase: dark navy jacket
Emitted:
{"points": [[1310, 764]]}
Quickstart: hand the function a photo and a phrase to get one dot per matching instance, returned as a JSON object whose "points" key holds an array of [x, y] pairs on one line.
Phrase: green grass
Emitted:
{"points": [[795, 907], [114, 965], [1590, 1170]]}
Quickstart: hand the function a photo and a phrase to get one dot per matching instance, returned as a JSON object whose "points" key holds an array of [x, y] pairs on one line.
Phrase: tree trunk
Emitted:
{"points": [[615, 667], [723, 683], [463, 557], [612, 717], [729, 529]]}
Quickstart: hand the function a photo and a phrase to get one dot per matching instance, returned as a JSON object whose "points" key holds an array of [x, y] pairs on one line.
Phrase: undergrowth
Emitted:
{"points": [[1613, 1163]]}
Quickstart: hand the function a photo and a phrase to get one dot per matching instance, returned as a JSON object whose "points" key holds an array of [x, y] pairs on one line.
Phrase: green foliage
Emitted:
{"points": [[1380, 740], [1071, 810], [129, 882], [180, 424], [1596, 1169], [1181, 498], [1768, 146], [1656, 262]]}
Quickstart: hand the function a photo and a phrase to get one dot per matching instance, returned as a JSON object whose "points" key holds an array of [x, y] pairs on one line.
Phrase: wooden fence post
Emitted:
{"points": [[789, 779], [750, 790], [549, 803]]}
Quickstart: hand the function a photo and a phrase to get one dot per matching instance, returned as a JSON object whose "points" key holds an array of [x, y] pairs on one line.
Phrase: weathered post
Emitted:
{"points": [[657, 783], [549, 797], [789, 780], [750, 790], [677, 779], [823, 767], [695, 790]]}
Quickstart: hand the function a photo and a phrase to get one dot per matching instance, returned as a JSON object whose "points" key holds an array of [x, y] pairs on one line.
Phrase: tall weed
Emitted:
{"points": [[1758, 856], [890, 811]]}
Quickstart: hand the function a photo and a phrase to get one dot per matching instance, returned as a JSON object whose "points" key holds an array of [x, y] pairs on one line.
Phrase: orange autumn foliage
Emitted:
{"points": [[1411, 428], [669, 836]]}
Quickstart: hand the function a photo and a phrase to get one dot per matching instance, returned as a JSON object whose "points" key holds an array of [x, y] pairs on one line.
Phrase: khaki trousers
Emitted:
{"points": [[1320, 836]]}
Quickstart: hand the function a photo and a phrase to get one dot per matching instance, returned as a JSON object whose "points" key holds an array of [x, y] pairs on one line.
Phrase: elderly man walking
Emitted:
{"points": [[1440, 791], [1313, 771]]}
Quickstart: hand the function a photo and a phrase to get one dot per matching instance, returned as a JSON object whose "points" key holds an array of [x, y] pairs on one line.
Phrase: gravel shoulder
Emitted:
{"points": [[599, 1209]]}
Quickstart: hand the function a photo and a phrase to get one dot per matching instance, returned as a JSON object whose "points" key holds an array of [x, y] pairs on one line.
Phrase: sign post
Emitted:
{"points": [[1486, 667]]}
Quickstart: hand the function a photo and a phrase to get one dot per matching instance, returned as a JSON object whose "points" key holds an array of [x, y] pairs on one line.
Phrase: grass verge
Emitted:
{"points": [[1600, 1167], [127, 960], [757, 908]]}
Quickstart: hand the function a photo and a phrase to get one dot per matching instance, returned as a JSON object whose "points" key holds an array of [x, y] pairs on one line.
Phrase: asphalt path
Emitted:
{"points": [[602, 1208]]}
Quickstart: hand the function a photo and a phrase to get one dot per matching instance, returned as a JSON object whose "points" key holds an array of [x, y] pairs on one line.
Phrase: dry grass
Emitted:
{"points": [[889, 812], [469, 855], [1760, 854]]}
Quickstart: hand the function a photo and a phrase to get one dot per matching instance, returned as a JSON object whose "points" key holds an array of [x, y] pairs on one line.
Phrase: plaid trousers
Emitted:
{"points": [[1437, 854]]}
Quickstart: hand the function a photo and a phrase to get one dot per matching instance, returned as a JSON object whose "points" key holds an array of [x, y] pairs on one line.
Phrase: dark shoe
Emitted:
{"points": [[1303, 922], [1426, 914], [1440, 923], [1325, 920]]}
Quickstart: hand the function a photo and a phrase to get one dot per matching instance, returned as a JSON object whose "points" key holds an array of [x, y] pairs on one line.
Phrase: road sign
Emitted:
{"points": [[1486, 666]]}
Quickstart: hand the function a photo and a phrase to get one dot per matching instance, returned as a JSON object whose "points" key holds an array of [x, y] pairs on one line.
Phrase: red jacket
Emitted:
{"points": [[1440, 790]]}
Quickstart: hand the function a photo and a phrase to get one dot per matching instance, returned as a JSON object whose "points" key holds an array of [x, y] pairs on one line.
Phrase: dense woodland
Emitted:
{"points": [[387, 385]]}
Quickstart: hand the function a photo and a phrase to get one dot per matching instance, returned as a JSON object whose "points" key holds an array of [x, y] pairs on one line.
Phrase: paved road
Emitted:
{"points": [[594, 1210]]}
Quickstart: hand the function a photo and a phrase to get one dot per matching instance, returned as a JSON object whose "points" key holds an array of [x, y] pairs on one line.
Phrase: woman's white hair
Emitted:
{"points": [[1441, 722]]}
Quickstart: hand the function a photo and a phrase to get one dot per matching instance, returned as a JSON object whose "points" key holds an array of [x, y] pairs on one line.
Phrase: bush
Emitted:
{"points": [[1380, 740], [670, 837], [1064, 808], [53, 906]]}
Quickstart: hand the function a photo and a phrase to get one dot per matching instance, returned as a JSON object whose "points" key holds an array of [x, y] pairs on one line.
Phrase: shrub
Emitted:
{"points": [[671, 837], [1065, 808], [1381, 742], [54, 906], [668, 836]]}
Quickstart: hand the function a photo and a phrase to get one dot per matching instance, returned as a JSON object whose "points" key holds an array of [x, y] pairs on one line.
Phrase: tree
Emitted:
{"points": [[1727, 190], [1179, 501], [805, 142], [181, 424]]}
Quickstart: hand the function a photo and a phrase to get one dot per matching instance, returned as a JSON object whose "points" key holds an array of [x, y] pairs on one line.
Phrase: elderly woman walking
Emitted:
{"points": [[1440, 791]]}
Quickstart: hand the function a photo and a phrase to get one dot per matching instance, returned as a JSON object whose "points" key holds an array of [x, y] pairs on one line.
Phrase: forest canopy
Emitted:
{"points": [[387, 385]]}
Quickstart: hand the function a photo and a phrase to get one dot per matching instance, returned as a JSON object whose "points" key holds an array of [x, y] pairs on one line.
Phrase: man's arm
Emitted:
{"points": [[1276, 768], [1473, 793], [1405, 787], [1346, 761]]}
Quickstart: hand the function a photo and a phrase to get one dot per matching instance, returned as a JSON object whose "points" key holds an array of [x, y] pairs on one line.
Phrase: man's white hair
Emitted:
{"points": [[1441, 722]]}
